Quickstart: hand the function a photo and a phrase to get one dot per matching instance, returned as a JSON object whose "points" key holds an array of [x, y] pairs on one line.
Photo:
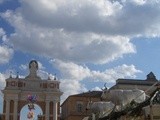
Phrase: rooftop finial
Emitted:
{"points": [[55, 78], [49, 76], [10, 76], [17, 75]]}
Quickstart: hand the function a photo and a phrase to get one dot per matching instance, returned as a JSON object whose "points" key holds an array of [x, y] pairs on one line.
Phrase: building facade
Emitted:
{"points": [[74, 107], [148, 84], [17, 89]]}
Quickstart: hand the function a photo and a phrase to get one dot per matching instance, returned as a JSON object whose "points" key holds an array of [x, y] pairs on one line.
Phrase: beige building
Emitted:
{"points": [[74, 107], [17, 89], [146, 84]]}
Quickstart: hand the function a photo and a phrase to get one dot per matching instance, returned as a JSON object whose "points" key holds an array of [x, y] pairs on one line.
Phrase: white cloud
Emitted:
{"points": [[73, 75], [76, 72], [70, 87], [71, 70], [6, 54], [96, 89], [2, 85], [82, 31], [3, 77], [67, 46], [40, 66], [2, 80], [134, 2], [139, 2], [45, 75], [1, 1], [3, 35], [42, 73], [23, 67], [109, 17], [2, 32], [67, 10], [123, 71]]}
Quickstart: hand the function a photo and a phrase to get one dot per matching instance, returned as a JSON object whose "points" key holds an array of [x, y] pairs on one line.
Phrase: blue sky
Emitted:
{"points": [[85, 42]]}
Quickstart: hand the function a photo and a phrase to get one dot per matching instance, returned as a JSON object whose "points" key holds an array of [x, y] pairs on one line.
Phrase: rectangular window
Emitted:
{"points": [[79, 106]]}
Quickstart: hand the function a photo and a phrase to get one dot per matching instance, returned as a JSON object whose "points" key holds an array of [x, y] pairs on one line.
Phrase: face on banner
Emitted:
{"points": [[30, 115]]}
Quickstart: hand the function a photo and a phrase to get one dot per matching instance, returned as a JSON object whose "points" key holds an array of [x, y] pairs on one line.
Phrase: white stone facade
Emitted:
{"points": [[17, 89]]}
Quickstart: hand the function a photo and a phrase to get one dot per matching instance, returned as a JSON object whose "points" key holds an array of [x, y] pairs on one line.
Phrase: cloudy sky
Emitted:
{"points": [[86, 43]]}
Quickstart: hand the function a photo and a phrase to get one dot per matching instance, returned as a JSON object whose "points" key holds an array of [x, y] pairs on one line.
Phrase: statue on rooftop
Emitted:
{"points": [[33, 68]]}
